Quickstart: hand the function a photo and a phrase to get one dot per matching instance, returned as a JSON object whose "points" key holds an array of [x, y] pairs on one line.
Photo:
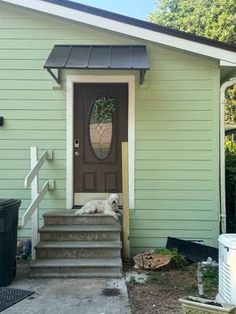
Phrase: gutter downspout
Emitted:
{"points": [[222, 154]]}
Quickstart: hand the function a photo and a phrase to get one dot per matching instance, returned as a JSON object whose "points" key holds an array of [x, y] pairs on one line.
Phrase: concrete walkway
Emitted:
{"points": [[72, 296]]}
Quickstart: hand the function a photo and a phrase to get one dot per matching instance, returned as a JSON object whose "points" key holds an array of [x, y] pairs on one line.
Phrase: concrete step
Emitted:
{"points": [[76, 275], [73, 246], [77, 249], [77, 268], [68, 217], [80, 232]]}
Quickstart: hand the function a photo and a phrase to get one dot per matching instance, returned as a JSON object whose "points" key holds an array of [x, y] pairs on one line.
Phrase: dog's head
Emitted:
{"points": [[113, 200]]}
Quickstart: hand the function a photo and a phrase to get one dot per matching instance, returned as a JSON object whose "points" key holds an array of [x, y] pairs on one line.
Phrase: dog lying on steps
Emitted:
{"points": [[107, 207]]}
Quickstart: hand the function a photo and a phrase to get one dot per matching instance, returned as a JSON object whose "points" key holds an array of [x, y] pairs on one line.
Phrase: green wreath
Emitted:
{"points": [[104, 108]]}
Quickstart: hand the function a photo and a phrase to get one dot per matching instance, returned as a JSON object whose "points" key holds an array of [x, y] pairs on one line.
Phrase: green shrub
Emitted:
{"points": [[210, 280], [230, 184]]}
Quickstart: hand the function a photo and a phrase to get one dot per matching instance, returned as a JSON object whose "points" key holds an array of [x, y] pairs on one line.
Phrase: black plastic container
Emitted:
{"points": [[9, 209]]}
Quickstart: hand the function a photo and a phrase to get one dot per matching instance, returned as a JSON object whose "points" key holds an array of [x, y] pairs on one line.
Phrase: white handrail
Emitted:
{"points": [[36, 196], [34, 204], [30, 177]]}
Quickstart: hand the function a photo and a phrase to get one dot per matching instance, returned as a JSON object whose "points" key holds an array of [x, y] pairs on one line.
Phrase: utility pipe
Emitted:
{"points": [[222, 153]]}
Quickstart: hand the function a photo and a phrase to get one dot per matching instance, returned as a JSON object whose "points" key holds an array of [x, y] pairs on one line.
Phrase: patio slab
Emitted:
{"points": [[72, 296]]}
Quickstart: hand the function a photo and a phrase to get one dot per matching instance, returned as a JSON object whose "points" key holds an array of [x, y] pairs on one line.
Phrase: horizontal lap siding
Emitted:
{"points": [[35, 113], [176, 171], [176, 179]]}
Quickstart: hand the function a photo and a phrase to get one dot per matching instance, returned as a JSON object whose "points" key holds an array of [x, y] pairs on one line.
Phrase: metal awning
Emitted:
{"points": [[230, 129], [97, 57]]}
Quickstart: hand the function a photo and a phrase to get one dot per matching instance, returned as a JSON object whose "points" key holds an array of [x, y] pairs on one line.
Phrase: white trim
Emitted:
{"points": [[34, 194], [70, 80], [222, 153], [127, 29], [69, 142], [227, 64]]}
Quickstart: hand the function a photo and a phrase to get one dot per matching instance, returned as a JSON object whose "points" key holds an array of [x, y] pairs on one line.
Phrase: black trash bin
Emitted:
{"points": [[9, 209]]}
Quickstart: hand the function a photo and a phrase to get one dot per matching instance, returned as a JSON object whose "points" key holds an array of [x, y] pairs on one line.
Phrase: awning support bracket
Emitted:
{"points": [[142, 76], [57, 77]]}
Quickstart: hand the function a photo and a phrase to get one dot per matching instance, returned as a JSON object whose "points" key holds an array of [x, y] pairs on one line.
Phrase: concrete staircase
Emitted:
{"points": [[78, 246]]}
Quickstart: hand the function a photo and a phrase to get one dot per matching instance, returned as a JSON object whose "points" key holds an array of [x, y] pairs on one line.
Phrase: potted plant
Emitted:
{"points": [[196, 305]]}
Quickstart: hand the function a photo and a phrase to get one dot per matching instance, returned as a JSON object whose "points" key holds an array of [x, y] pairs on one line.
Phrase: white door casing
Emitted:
{"points": [[70, 80]]}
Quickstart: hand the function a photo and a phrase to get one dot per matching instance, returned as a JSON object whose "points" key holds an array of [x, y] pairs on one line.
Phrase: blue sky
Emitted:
{"points": [[134, 8]]}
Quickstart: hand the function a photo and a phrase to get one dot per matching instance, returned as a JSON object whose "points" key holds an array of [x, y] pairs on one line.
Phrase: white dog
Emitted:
{"points": [[108, 206]]}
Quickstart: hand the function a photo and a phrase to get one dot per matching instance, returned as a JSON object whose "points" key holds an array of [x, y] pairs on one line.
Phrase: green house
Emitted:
{"points": [[61, 63]]}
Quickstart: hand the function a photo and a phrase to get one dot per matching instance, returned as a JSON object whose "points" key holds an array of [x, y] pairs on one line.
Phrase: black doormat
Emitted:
{"points": [[9, 296]]}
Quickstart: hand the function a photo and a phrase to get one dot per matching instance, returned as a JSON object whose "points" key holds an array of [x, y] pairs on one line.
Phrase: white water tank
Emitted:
{"points": [[227, 268]]}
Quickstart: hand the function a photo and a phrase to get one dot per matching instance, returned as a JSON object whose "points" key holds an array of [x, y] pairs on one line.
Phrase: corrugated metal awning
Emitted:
{"points": [[98, 57]]}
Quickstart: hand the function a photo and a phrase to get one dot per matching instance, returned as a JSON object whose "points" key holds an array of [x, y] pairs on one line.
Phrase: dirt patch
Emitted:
{"points": [[161, 292]]}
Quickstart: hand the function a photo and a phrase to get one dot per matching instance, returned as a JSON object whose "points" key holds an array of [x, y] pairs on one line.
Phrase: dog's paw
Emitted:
{"points": [[79, 212], [119, 212], [114, 215]]}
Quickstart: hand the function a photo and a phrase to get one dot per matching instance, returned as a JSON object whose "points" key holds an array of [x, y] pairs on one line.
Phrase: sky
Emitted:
{"points": [[134, 8]]}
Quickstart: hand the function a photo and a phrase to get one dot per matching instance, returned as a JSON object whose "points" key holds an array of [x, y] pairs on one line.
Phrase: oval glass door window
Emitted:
{"points": [[100, 135]]}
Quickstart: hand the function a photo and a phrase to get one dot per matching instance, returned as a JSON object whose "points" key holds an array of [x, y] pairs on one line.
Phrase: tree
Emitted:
{"points": [[230, 105], [214, 19]]}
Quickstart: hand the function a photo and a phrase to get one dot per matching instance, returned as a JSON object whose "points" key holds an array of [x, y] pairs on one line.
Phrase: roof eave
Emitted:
{"points": [[227, 71], [201, 48]]}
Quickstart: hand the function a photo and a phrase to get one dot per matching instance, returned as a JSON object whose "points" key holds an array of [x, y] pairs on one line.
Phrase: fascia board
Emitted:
{"points": [[227, 64], [127, 29]]}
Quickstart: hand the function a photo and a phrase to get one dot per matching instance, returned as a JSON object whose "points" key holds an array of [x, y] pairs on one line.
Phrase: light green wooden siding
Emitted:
{"points": [[35, 114], [177, 145], [176, 157]]}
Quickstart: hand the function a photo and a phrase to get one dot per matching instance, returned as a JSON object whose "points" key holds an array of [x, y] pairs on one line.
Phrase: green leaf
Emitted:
{"points": [[214, 19]]}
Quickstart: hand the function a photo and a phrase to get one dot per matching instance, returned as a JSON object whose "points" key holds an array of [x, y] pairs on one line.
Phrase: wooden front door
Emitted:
{"points": [[100, 125]]}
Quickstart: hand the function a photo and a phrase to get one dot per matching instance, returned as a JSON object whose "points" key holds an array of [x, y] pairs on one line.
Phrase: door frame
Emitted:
{"points": [[70, 81]]}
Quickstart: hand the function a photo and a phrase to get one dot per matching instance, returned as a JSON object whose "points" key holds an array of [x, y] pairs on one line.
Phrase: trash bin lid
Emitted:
{"points": [[8, 202], [228, 239]]}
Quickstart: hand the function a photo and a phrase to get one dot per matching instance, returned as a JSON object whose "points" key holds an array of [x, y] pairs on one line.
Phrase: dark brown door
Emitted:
{"points": [[100, 125]]}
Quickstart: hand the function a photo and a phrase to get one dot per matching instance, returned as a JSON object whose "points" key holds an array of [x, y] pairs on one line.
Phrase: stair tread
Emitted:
{"points": [[76, 275], [71, 213], [78, 244], [86, 262], [72, 228]]}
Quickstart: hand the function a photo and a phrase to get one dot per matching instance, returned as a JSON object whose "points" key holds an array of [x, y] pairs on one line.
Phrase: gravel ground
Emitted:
{"points": [[162, 291]]}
